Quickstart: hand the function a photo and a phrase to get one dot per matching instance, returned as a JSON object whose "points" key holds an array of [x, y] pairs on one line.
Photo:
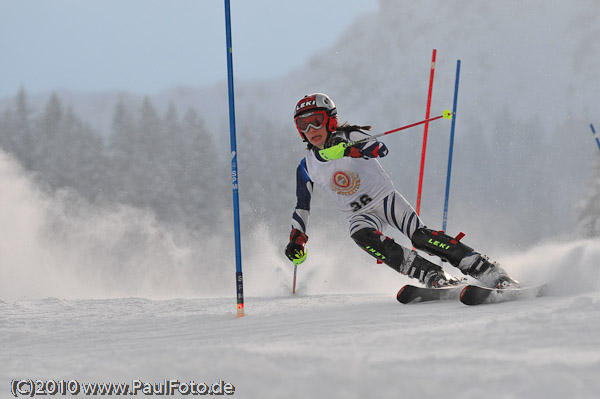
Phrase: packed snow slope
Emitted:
{"points": [[313, 346], [107, 295]]}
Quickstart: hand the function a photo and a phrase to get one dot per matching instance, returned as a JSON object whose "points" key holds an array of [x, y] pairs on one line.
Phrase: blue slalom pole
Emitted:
{"points": [[595, 136], [234, 171], [451, 146]]}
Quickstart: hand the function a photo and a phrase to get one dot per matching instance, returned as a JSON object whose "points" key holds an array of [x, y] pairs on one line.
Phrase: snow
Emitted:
{"points": [[107, 295], [99, 294], [73, 307], [70, 310], [324, 346]]}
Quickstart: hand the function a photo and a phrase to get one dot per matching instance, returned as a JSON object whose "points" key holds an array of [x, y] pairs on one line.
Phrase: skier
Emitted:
{"points": [[363, 191]]}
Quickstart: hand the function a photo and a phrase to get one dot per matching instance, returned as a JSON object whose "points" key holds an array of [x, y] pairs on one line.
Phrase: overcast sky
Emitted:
{"points": [[145, 46]]}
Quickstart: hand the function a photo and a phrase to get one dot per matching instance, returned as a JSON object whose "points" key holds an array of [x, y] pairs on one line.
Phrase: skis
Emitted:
{"points": [[476, 295], [468, 294], [414, 294]]}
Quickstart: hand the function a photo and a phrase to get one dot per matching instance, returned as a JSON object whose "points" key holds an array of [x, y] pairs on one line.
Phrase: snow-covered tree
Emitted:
{"points": [[16, 135], [202, 177], [589, 208]]}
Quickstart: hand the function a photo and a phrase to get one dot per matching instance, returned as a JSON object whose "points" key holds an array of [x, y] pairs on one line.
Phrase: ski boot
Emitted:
{"points": [[471, 263], [428, 273], [440, 279], [489, 273]]}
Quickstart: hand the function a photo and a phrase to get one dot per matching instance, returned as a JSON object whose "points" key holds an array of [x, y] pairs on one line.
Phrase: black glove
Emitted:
{"points": [[295, 248]]}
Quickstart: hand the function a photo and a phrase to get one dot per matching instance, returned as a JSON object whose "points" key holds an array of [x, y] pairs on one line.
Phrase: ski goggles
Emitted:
{"points": [[314, 119]]}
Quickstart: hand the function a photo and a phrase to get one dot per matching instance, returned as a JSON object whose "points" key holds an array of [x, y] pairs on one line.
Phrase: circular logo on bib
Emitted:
{"points": [[344, 182]]}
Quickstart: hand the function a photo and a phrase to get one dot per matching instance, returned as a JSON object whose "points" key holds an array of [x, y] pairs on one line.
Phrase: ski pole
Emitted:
{"points": [[337, 151], [294, 283]]}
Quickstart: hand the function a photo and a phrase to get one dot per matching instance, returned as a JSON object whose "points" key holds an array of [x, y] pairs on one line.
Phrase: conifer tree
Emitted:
{"points": [[589, 208]]}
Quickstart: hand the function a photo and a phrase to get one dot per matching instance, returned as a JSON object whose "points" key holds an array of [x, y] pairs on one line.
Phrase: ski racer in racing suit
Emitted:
{"points": [[361, 189]]}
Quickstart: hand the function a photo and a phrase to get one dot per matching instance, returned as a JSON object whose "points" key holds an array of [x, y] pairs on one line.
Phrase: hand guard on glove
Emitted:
{"points": [[337, 148], [295, 248]]}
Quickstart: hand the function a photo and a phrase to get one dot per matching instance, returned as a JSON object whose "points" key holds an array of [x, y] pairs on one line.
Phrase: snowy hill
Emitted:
{"points": [[322, 345], [106, 295], [537, 59], [318, 346]]}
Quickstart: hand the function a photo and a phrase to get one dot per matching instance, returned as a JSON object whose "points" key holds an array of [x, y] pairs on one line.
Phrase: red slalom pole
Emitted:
{"points": [[425, 133]]}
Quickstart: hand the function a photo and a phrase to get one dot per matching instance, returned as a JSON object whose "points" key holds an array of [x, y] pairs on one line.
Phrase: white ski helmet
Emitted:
{"points": [[316, 102]]}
